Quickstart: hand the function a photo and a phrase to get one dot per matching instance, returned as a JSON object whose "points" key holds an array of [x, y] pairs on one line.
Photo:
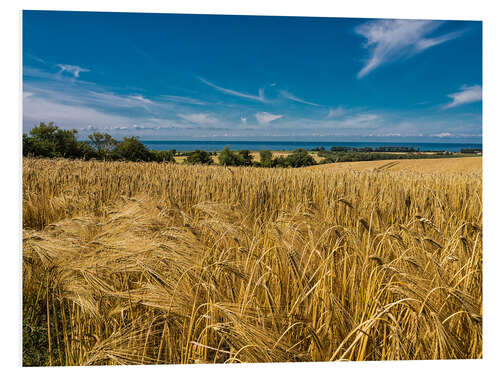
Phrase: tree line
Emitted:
{"points": [[48, 140], [368, 149]]}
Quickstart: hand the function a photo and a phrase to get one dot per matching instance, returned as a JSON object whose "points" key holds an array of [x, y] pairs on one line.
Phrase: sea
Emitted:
{"points": [[293, 145]]}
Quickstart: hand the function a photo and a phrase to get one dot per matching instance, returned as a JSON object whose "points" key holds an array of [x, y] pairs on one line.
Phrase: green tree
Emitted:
{"points": [[299, 158], [131, 149], [67, 144], [228, 157], [232, 158], [280, 161], [245, 157], [163, 156], [51, 141], [28, 146], [86, 151], [103, 144], [266, 159], [199, 157]]}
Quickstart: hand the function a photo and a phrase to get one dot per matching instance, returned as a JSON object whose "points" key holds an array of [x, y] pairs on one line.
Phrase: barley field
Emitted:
{"points": [[145, 263]]}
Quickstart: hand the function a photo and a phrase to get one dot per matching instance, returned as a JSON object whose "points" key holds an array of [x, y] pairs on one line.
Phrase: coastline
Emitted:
{"points": [[288, 146]]}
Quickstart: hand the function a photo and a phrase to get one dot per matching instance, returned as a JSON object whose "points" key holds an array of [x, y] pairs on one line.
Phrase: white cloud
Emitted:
{"points": [[361, 120], [37, 109], [442, 135], [109, 99], [72, 69], [198, 118], [141, 98], [142, 127], [116, 128], [266, 118], [243, 120], [259, 98], [390, 40], [74, 106], [336, 112], [468, 94], [290, 96]]}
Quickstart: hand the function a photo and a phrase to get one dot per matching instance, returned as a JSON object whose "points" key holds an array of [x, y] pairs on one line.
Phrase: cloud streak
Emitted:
{"points": [[392, 40], [141, 99], [259, 98], [199, 118], [294, 98], [266, 118], [182, 99], [467, 94], [72, 69]]}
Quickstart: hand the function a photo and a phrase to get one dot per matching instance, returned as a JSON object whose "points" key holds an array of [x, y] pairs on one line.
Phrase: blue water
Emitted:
{"points": [[292, 145]]}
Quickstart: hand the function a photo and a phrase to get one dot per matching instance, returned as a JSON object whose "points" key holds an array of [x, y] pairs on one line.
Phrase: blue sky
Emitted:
{"points": [[166, 76]]}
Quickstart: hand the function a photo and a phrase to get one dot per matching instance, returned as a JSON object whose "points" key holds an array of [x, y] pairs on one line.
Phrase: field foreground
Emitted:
{"points": [[144, 263], [451, 165]]}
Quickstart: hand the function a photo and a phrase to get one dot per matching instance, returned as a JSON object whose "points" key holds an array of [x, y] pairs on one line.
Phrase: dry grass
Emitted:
{"points": [[132, 263]]}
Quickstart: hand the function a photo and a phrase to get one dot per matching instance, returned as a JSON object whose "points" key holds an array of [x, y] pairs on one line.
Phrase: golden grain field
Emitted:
{"points": [[145, 263]]}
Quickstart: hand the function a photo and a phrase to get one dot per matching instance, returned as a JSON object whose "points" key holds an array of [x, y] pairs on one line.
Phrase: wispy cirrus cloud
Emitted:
{"points": [[69, 115], [467, 94], [336, 112], [266, 118], [87, 106], [259, 98], [199, 118], [141, 99], [391, 40], [110, 99], [290, 96], [182, 99], [35, 58], [75, 70]]}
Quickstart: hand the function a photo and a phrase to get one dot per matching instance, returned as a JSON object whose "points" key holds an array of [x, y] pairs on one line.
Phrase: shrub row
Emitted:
{"points": [[48, 140]]}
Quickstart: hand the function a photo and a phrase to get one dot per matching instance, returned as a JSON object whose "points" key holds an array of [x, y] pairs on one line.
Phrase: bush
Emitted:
{"points": [[245, 157], [299, 158], [280, 161], [266, 159], [199, 157], [228, 157], [51, 141], [86, 151], [29, 147], [131, 149], [163, 156], [240, 158]]}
